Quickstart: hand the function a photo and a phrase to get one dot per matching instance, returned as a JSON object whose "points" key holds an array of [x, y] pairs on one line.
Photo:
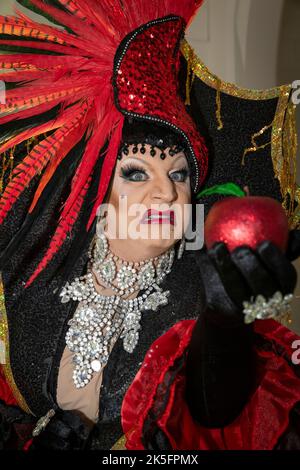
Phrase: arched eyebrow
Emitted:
{"points": [[174, 159], [136, 159]]}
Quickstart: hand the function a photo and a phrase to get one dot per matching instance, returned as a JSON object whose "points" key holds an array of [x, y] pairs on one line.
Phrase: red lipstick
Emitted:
{"points": [[153, 216]]}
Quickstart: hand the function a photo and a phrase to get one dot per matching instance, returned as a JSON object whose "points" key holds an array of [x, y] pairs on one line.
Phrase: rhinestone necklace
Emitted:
{"points": [[100, 320], [130, 277]]}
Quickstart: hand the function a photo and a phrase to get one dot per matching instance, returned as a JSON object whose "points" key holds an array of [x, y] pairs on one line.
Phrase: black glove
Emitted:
{"points": [[65, 431], [220, 372], [231, 278]]}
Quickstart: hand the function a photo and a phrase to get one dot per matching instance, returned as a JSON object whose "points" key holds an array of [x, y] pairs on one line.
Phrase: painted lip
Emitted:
{"points": [[158, 217]]}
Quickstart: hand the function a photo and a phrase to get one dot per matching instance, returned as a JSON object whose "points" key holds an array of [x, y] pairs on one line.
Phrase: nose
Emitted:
{"points": [[164, 190]]}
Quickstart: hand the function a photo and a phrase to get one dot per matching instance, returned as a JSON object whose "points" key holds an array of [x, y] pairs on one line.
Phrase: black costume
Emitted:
{"points": [[228, 119]]}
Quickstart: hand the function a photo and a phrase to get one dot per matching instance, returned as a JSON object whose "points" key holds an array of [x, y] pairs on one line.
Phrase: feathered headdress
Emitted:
{"points": [[105, 59]]}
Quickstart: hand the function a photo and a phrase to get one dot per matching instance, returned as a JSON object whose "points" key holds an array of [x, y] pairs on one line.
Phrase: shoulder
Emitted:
{"points": [[189, 267], [188, 275], [195, 262]]}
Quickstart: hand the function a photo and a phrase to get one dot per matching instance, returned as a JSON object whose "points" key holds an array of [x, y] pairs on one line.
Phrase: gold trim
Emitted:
{"points": [[6, 367], [120, 444], [284, 161], [255, 145], [219, 106], [283, 153], [212, 80]]}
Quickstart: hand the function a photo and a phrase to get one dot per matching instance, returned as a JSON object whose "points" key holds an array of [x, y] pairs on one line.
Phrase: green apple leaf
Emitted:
{"points": [[227, 189]]}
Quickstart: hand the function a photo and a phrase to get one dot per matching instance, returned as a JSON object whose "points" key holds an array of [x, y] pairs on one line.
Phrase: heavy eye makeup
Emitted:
{"points": [[180, 175], [136, 173], [133, 173]]}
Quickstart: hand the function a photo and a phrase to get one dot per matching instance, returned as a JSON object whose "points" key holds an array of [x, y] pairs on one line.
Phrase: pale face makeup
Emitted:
{"points": [[161, 188]]}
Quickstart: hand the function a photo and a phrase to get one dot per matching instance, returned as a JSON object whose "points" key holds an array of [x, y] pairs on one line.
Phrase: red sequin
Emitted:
{"points": [[147, 85]]}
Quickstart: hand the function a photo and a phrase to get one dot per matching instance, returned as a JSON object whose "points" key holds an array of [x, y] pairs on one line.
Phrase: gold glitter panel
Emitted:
{"points": [[120, 444], [6, 367]]}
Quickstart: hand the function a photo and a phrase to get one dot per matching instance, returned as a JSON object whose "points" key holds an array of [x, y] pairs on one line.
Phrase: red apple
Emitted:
{"points": [[247, 220]]}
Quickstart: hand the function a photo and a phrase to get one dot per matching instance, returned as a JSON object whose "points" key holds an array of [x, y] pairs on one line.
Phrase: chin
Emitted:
{"points": [[163, 239], [161, 243]]}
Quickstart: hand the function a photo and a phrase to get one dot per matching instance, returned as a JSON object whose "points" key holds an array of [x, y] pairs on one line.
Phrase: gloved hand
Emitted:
{"points": [[220, 368], [231, 278], [65, 431]]}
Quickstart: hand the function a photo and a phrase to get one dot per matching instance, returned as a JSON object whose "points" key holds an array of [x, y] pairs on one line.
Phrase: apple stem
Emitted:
{"points": [[246, 190]]}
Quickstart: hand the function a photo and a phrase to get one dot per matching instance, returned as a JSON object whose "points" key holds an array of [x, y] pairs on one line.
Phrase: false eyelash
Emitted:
{"points": [[130, 169], [182, 170]]}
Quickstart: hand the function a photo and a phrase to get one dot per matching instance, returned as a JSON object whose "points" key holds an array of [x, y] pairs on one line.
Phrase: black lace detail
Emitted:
{"points": [[290, 439], [265, 344], [153, 437]]}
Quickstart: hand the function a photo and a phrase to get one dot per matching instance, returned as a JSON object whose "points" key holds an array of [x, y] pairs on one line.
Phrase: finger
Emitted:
{"points": [[279, 265], [219, 307], [256, 275], [293, 249], [233, 281]]}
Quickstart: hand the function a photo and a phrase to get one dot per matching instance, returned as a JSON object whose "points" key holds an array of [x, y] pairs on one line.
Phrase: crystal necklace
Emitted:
{"points": [[130, 277], [100, 319]]}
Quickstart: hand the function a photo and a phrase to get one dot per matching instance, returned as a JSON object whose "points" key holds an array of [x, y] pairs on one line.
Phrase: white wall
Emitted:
{"points": [[238, 40]]}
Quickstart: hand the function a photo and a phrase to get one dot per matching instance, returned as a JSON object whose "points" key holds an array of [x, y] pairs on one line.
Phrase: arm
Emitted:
{"points": [[220, 372]]}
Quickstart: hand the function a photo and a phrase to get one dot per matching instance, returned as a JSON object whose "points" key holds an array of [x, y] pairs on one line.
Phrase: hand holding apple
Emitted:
{"points": [[246, 239], [247, 221]]}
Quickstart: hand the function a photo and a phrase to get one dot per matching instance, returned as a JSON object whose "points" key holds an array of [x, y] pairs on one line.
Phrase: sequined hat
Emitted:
{"points": [[146, 85], [70, 89]]}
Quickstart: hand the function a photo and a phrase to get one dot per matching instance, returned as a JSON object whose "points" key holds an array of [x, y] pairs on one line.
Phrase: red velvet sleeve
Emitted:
{"points": [[6, 394], [158, 391]]}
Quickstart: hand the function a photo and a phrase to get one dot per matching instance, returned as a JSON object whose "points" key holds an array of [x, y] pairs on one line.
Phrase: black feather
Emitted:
{"points": [[60, 178], [81, 238]]}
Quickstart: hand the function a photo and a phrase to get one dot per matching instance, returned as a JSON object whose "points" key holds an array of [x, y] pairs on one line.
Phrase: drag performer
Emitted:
{"points": [[124, 343]]}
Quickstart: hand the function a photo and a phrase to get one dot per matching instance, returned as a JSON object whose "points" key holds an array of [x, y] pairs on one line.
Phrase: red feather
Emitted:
{"points": [[79, 69], [59, 121], [51, 148], [64, 227], [74, 8], [108, 168], [41, 62]]}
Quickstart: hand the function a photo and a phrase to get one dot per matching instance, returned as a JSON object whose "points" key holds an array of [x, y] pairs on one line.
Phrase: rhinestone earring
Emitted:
{"points": [[100, 249], [101, 222], [181, 248]]}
